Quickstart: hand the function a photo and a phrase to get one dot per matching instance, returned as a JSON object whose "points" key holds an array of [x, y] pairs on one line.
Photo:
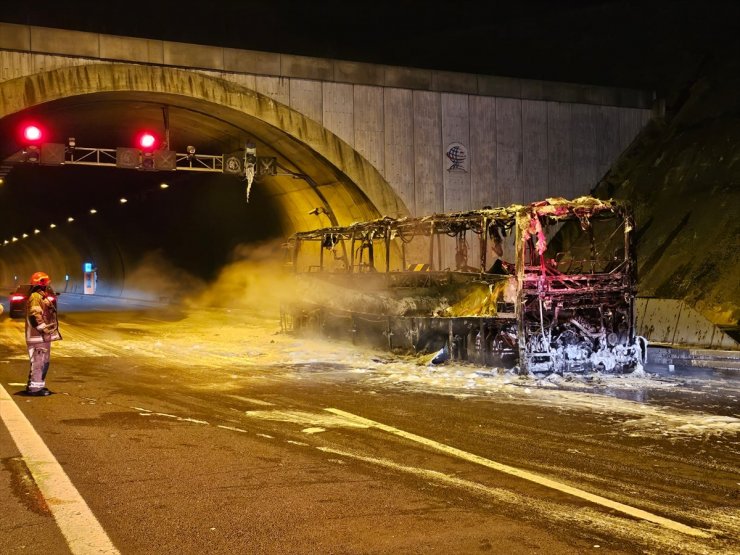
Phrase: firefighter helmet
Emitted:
{"points": [[40, 278]]}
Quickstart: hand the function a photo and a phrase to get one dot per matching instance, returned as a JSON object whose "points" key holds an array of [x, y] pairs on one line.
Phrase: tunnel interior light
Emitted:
{"points": [[163, 186], [93, 211], [36, 231], [24, 235], [70, 219], [15, 239], [123, 201], [52, 226]]}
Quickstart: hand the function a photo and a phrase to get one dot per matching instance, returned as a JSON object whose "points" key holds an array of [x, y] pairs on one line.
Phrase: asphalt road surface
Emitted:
{"points": [[211, 431]]}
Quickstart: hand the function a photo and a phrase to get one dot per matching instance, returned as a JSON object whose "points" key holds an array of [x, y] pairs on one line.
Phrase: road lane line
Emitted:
{"points": [[78, 524], [252, 401], [232, 428], [526, 475]]}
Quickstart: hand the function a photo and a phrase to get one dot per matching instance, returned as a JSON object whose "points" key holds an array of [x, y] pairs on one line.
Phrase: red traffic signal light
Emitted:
{"points": [[146, 141], [31, 133]]}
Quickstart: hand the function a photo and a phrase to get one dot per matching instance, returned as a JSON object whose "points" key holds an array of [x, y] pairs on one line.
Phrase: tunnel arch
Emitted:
{"points": [[331, 174], [354, 189]]}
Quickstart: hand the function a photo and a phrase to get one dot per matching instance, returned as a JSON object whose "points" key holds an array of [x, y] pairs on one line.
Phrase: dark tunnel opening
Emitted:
{"points": [[188, 230]]}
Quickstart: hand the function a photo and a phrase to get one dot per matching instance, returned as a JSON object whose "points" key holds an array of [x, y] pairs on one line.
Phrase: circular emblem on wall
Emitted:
{"points": [[457, 153]]}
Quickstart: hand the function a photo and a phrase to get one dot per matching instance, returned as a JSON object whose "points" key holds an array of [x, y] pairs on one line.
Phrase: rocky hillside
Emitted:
{"points": [[682, 176]]}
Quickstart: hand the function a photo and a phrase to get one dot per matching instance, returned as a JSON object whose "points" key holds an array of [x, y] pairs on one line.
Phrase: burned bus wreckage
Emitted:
{"points": [[552, 287]]}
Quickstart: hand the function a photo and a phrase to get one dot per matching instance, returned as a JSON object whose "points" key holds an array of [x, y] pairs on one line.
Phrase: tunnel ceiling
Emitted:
{"points": [[110, 120]]}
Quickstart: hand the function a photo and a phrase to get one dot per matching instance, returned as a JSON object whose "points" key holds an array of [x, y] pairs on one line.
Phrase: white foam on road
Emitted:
{"points": [[78, 524]]}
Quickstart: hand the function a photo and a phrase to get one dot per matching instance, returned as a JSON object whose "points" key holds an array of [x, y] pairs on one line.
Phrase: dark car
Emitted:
{"points": [[19, 298]]}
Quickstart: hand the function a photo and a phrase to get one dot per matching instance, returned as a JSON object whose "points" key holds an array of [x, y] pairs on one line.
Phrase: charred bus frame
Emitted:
{"points": [[551, 310]]}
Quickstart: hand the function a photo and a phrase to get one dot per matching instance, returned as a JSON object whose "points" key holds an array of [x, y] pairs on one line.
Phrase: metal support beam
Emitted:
{"points": [[106, 157]]}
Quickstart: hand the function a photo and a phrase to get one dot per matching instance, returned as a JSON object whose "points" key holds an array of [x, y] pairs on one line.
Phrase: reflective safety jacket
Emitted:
{"points": [[41, 319]]}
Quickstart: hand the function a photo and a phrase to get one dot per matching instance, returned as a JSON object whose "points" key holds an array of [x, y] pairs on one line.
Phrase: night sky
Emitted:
{"points": [[651, 44]]}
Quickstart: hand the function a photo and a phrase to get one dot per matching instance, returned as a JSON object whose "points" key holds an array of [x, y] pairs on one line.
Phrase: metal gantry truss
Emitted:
{"points": [[107, 157], [130, 158]]}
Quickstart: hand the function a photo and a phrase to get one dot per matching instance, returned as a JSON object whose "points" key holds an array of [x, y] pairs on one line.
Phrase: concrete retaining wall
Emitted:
{"points": [[673, 322]]}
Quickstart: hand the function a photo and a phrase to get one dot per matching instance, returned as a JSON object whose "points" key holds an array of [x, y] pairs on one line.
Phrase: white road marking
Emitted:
{"points": [[232, 428], [78, 524], [304, 417], [253, 401], [526, 475], [173, 416]]}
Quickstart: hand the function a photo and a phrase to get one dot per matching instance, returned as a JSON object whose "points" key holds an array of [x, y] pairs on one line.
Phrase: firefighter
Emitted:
{"points": [[42, 328]]}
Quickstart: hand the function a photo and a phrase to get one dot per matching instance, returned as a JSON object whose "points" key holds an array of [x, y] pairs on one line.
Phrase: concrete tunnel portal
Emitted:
{"points": [[194, 226]]}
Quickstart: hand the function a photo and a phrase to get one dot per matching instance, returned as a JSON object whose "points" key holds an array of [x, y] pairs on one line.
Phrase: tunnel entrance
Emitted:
{"points": [[193, 226]]}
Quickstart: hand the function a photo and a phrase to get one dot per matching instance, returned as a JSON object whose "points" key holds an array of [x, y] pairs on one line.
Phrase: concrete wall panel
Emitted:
{"points": [[673, 322], [277, 88], [193, 55], [602, 149], [534, 150], [62, 41], [455, 82], [509, 176], [250, 61], [586, 141], [358, 73], [339, 110], [15, 64], [398, 115], [408, 78], [368, 103], [246, 81], [15, 37], [132, 49], [612, 147], [483, 151], [507, 87], [307, 97], [455, 129], [560, 150], [306, 67], [47, 62], [428, 151]]}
